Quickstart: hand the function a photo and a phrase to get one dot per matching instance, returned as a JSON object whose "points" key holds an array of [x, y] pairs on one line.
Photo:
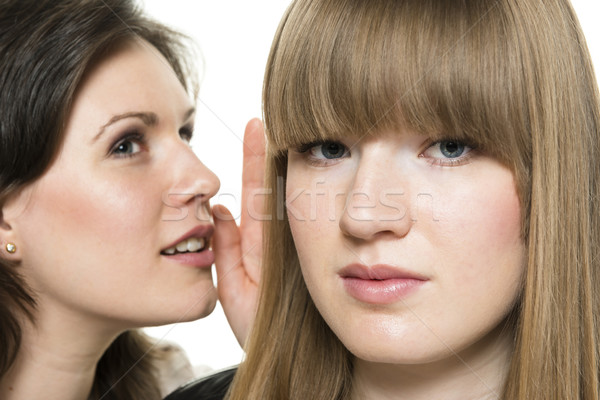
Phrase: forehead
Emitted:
{"points": [[131, 77], [341, 68]]}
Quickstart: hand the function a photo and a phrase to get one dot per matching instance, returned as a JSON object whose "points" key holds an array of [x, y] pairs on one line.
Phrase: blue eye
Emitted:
{"points": [[324, 153], [448, 153], [451, 149], [329, 150]]}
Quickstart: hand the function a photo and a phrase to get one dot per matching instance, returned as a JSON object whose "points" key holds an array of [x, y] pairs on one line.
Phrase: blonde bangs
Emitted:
{"points": [[511, 76], [444, 69]]}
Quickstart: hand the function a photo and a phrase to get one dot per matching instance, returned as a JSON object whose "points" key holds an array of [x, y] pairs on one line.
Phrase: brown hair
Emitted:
{"points": [[46, 46], [513, 77]]}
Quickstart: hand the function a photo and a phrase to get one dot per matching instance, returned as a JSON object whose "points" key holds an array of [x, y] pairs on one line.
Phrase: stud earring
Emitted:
{"points": [[11, 248]]}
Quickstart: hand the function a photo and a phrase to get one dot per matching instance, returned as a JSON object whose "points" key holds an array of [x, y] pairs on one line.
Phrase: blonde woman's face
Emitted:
{"points": [[411, 250], [94, 231]]}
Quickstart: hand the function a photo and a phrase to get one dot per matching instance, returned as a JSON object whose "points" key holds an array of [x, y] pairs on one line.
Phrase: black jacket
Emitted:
{"points": [[212, 387]]}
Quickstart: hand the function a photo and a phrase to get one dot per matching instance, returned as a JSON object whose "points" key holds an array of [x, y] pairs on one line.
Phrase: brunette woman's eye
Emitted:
{"points": [[128, 146]]}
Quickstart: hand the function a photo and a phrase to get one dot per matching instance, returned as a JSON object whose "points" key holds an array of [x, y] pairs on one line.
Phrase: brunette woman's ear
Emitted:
{"points": [[10, 210], [8, 246]]}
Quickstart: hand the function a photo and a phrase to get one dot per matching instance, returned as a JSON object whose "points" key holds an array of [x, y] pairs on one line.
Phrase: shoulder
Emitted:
{"points": [[172, 367], [212, 387]]}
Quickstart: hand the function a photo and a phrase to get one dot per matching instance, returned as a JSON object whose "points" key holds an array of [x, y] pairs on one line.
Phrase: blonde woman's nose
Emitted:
{"points": [[377, 204]]}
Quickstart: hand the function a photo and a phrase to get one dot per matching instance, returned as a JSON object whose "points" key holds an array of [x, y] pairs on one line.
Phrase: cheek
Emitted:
{"points": [[487, 215], [479, 230], [313, 213], [82, 240], [80, 219], [119, 210], [299, 216]]}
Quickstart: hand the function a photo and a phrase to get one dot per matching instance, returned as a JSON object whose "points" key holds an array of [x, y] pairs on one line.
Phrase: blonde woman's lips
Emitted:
{"points": [[380, 284]]}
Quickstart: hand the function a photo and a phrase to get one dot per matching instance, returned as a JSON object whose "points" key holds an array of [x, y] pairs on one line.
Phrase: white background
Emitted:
{"points": [[234, 37]]}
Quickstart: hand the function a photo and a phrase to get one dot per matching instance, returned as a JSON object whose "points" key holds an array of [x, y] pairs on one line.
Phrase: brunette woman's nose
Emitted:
{"points": [[193, 183]]}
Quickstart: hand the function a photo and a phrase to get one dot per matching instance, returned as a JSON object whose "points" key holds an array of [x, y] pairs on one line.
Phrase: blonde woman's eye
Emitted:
{"points": [[450, 149], [323, 153], [448, 152], [328, 150]]}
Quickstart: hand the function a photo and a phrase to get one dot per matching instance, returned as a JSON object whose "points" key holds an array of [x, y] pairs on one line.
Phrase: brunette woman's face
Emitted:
{"points": [[94, 232], [411, 250]]}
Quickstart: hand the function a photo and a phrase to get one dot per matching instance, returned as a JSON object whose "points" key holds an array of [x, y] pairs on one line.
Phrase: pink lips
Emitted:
{"points": [[202, 259], [204, 231], [379, 284]]}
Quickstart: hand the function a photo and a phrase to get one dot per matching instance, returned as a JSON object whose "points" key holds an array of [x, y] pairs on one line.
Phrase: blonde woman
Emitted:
{"points": [[439, 237]]}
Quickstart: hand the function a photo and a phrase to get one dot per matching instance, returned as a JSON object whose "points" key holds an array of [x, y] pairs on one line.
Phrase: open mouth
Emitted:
{"points": [[191, 245]]}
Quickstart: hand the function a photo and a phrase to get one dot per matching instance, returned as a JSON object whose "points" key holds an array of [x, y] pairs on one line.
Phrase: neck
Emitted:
{"points": [[56, 360], [478, 373]]}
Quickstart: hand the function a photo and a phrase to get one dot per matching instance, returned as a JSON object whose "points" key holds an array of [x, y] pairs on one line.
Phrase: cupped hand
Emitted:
{"points": [[238, 250]]}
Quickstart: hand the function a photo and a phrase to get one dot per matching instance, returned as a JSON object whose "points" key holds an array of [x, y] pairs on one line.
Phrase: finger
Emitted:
{"points": [[237, 292], [254, 169], [253, 196], [226, 245]]}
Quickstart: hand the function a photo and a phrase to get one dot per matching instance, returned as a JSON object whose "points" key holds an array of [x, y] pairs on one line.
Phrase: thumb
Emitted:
{"points": [[227, 248]]}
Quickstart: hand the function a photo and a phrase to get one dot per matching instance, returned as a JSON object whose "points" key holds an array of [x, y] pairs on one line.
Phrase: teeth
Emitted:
{"points": [[190, 245], [182, 246], [193, 245]]}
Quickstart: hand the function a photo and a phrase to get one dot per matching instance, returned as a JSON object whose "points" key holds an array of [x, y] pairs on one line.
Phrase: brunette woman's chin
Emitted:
{"points": [[188, 305]]}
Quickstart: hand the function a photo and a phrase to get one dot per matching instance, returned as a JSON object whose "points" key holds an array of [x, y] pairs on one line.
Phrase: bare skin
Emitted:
{"points": [[74, 320]]}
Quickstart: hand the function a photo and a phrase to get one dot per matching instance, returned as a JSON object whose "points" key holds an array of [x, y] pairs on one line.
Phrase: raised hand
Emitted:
{"points": [[238, 250]]}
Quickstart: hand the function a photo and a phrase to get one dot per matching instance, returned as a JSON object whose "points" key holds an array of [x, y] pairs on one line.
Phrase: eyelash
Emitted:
{"points": [[449, 162], [305, 148], [186, 133], [134, 137], [441, 162]]}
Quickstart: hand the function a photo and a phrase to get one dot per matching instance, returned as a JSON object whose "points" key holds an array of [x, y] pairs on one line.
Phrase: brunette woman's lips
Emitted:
{"points": [[203, 259], [379, 284], [193, 248]]}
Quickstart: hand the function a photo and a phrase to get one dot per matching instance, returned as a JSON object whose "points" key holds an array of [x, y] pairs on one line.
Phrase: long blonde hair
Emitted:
{"points": [[512, 76]]}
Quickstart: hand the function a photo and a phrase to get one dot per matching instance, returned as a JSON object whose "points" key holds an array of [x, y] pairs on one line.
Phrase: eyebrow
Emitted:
{"points": [[148, 118]]}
